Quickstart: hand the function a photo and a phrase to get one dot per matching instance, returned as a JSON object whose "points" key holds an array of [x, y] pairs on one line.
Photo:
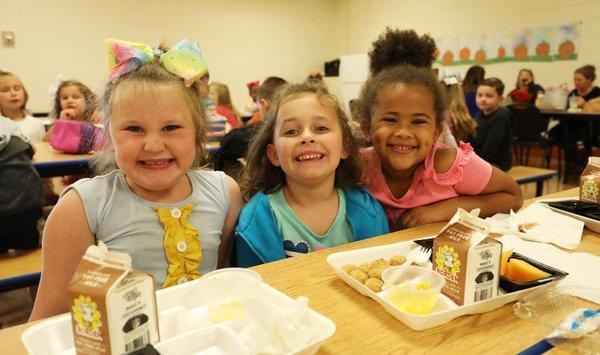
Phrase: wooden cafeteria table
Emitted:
{"points": [[50, 162], [364, 327]]}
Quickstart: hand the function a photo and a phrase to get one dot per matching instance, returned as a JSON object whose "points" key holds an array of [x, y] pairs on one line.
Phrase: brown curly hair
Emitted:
{"points": [[88, 96], [260, 175], [396, 47]]}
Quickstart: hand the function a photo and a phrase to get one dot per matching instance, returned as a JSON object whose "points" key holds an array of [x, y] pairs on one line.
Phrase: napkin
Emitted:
{"points": [[540, 224], [582, 267]]}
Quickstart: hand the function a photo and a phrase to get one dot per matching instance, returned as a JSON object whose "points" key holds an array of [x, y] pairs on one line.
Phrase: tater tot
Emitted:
{"points": [[365, 267], [375, 273], [348, 268], [397, 260], [379, 264], [374, 284], [358, 275]]}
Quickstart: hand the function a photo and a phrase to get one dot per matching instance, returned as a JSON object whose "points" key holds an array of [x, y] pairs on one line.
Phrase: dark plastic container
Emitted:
{"points": [[512, 286], [585, 209]]}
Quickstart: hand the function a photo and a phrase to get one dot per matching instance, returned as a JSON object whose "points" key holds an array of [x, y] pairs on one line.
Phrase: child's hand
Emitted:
{"points": [[67, 114], [420, 215]]}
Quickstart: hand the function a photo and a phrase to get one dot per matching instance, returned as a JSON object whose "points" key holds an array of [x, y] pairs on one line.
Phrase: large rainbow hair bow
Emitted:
{"points": [[184, 59]]}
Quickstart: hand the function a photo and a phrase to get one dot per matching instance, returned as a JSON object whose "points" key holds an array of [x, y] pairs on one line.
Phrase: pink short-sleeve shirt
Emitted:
{"points": [[468, 175]]}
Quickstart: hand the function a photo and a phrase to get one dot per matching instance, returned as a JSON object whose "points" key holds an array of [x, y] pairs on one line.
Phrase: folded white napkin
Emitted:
{"points": [[540, 224], [582, 267]]}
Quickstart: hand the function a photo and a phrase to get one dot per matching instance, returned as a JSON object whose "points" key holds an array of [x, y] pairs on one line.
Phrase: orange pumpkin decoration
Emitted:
{"points": [[480, 56], [521, 51], [464, 54], [566, 49], [501, 52], [447, 58], [542, 49]]}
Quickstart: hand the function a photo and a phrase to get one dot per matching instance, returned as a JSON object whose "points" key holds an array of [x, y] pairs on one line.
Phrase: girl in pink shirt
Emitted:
{"points": [[401, 110]]}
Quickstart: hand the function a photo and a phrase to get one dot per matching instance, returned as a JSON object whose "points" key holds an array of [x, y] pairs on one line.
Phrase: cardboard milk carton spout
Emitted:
{"points": [[113, 307]]}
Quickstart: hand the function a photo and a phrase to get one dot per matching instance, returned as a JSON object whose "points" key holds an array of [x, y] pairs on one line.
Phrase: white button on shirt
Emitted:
{"points": [[181, 246], [175, 213]]}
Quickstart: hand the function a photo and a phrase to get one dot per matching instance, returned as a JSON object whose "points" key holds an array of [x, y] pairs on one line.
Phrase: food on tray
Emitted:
{"points": [[397, 260], [358, 275], [521, 271], [369, 274], [416, 291], [469, 260], [226, 310], [504, 261], [374, 284]]}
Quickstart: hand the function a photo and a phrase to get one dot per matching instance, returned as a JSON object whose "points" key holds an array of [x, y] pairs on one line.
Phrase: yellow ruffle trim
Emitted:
{"points": [[183, 266]]}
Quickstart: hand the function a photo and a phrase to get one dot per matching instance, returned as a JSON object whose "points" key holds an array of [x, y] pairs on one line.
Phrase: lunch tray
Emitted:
{"points": [[183, 318], [582, 211], [445, 309]]}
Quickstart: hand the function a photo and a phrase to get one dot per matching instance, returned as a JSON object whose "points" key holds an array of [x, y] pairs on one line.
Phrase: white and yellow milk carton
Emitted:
{"points": [[468, 259], [113, 307], [589, 190]]}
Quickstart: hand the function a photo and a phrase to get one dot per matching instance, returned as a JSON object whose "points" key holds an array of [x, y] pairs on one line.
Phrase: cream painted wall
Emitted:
{"points": [[242, 40], [365, 20]]}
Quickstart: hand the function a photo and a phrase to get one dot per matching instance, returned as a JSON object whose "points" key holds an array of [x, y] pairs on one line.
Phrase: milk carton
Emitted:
{"points": [[113, 307], [468, 259], [590, 181]]}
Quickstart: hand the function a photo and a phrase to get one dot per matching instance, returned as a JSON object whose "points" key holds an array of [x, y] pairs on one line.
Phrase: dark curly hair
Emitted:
{"points": [[400, 58], [260, 175], [395, 47]]}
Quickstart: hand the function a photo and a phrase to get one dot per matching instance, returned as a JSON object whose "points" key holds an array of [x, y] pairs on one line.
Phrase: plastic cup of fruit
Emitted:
{"points": [[416, 291]]}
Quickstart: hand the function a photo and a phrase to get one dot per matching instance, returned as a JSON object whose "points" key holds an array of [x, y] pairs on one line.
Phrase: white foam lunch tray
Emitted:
{"points": [[590, 223], [445, 309], [183, 318]]}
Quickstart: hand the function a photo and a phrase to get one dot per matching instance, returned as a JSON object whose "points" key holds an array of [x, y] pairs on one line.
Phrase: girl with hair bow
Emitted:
{"points": [[174, 220]]}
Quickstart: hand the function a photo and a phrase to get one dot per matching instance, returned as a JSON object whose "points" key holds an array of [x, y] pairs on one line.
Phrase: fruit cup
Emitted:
{"points": [[416, 291]]}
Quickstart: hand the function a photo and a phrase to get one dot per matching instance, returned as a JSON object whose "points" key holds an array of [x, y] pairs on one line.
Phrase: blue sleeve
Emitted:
{"points": [[246, 257]]}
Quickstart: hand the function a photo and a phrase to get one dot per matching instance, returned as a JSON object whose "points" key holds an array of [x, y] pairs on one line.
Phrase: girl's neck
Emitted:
{"points": [[181, 190], [16, 115], [306, 196], [584, 91]]}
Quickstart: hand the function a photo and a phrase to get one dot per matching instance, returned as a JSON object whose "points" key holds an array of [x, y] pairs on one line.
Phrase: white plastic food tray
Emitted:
{"points": [[591, 224], [183, 318], [445, 309]]}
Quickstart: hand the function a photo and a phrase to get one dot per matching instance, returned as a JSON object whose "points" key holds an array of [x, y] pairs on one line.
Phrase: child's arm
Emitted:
{"points": [[227, 239], [66, 237], [500, 195]]}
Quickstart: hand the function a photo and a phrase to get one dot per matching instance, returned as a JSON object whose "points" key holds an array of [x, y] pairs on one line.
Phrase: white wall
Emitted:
{"points": [[365, 20], [242, 40], [246, 40]]}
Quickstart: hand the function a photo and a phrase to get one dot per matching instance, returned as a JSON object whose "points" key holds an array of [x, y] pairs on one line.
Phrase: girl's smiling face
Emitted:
{"points": [[307, 140], [403, 128], [154, 140]]}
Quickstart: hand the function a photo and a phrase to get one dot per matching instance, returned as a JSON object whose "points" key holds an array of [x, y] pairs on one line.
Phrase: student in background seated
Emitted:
{"points": [[417, 180], [473, 78], [266, 92], [525, 80], [175, 221], [493, 141], [583, 78], [73, 101], [219, 93], [13, 99], [21, 198], [459, 121], [301, 181]]}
